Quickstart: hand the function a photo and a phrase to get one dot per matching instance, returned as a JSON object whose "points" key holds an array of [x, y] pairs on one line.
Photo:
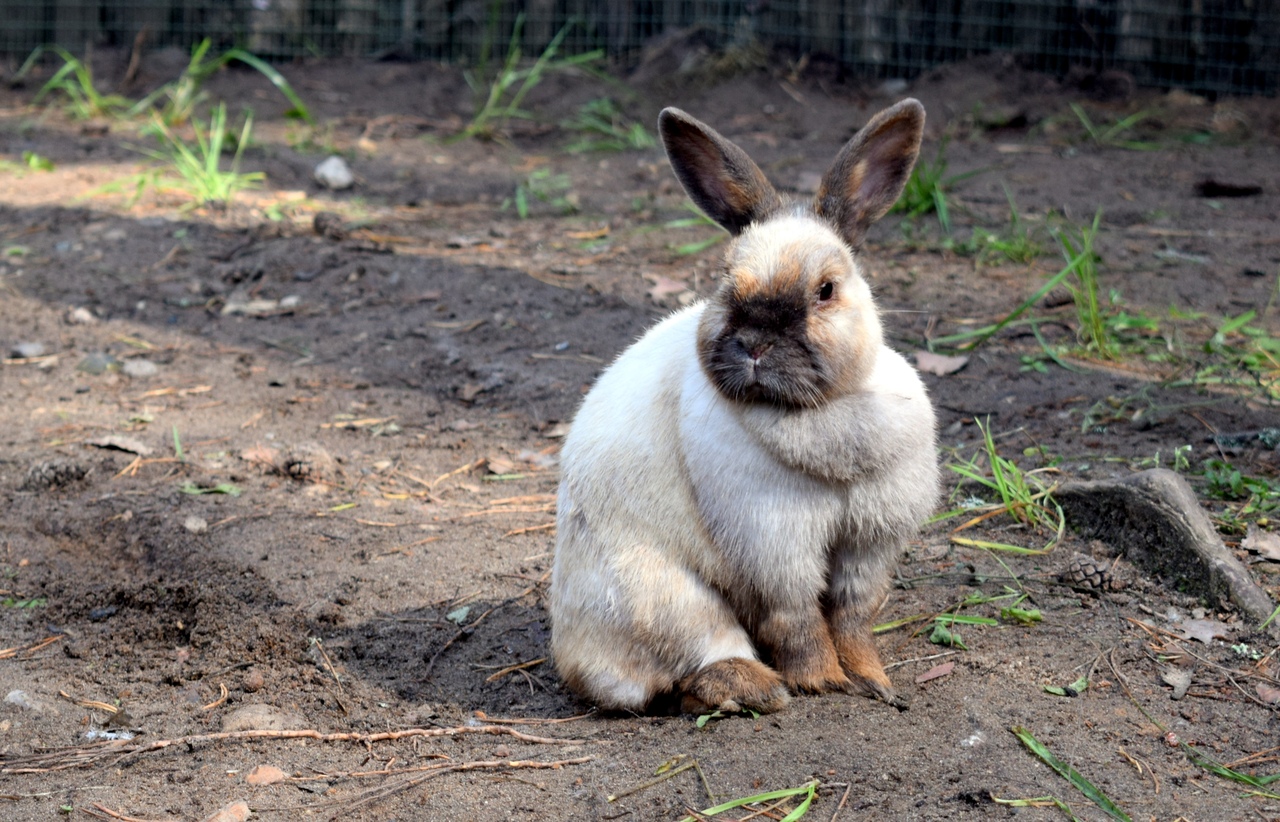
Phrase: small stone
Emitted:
{"points": [[501, 752], [265, 775], [22, 700], [235, 812], [195, 524], [27, 350], [97, 363], [140, 369], [253, 681], [81, 316], [334, 173], [262, 718]]}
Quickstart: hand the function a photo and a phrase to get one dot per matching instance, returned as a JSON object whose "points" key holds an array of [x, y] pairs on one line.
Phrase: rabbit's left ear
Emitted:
{"points": [[869, 173]]}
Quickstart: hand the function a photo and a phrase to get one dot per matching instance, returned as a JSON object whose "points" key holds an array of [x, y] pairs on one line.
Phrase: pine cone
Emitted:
{"points": [[52, 474], [1085, 573]]}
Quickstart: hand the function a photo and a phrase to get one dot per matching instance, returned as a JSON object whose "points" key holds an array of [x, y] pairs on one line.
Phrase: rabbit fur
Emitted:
{"points": [[737, 485]]}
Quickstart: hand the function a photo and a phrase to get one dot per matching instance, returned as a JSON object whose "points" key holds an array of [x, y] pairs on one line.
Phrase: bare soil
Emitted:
{"points": [[390, 409]]}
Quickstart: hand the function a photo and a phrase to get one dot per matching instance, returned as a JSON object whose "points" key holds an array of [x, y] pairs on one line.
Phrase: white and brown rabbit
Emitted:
{"points": [[738, 484]]}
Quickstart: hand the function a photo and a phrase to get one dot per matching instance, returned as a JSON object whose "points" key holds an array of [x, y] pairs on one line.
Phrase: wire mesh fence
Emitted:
{"points": [[1227, 46]]}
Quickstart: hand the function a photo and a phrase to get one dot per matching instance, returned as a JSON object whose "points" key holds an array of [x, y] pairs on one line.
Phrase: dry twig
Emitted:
{"points": [[85, 756]]}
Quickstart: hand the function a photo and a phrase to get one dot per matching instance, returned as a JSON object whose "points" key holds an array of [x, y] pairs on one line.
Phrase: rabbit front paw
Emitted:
{"points": [[861, 661]]}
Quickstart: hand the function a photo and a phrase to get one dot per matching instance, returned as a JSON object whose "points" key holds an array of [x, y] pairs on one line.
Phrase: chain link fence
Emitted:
{"points": [[1221, 46]]}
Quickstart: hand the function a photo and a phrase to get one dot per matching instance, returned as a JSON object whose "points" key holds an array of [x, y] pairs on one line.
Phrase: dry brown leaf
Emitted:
{"points": [[936, 672], [501, 465], [1263, 543], [664, 287], [1177, 678], [939, 364], [119, 443], [261, 455], [1203, 630], [1268, 693]]}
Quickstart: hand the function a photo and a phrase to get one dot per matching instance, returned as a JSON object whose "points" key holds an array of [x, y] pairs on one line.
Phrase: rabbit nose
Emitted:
{"points": [[752, 346]]}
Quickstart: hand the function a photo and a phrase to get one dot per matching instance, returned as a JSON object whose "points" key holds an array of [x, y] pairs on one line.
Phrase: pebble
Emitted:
{"points": [[262, 718], [195, 524], [98, 363], [25, 350], [235, 812], [81, 316], [22, 700], [140, 369], [265, 775], [334, 173], [253, 681]]}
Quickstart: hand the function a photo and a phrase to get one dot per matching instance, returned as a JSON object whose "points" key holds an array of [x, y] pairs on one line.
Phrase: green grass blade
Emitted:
{"points": [[981, 335], [810, 789], [277, 79], [1069, 773], [1000, 546], [966, 619], [1038, 801]]}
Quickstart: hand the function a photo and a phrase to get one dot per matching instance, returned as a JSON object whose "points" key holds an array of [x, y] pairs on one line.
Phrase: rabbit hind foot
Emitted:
{"points": [[732, 685]]}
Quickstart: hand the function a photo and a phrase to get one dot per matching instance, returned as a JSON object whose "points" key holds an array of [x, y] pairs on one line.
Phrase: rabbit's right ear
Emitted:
{"points": [[717, 175]]}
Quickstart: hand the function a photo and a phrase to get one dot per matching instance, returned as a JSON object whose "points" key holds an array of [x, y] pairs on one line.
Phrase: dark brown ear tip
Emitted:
{"points": [[909, 109], [672, 118]]}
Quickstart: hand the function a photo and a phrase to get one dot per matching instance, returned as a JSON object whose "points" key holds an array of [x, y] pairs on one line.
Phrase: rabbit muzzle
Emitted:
{"points": [[754, 364]]}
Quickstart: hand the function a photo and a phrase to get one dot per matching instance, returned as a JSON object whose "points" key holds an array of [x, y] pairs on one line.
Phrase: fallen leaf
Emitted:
{"points": [[1268, 693], [501, 465], [1203, 630], [116, 442], [265, 775], [1264, 543], [939, 364], [261, 454], [935, 672], [664, 287], [1177, 678]]}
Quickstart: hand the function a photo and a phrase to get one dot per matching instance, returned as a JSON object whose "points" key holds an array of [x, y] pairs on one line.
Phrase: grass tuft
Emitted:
{"points": [[1069, 773]]}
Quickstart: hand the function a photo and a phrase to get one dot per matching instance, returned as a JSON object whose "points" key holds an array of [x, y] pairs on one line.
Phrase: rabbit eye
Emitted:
{"points": [[826, 291]]}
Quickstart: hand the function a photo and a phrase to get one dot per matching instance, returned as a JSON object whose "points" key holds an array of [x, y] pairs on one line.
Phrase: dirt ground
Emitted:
{"points": [[388, 395]]}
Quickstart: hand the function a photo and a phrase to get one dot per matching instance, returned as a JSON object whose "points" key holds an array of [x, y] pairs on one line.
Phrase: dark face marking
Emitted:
{"points": [[763, 352]]}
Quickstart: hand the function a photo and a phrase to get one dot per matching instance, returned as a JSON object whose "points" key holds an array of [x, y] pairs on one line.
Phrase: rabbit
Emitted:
{"points": [[737, 485]]}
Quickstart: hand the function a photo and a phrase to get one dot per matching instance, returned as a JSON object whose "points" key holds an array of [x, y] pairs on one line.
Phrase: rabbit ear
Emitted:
{"points": [[869, 173], [717, 175]]}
